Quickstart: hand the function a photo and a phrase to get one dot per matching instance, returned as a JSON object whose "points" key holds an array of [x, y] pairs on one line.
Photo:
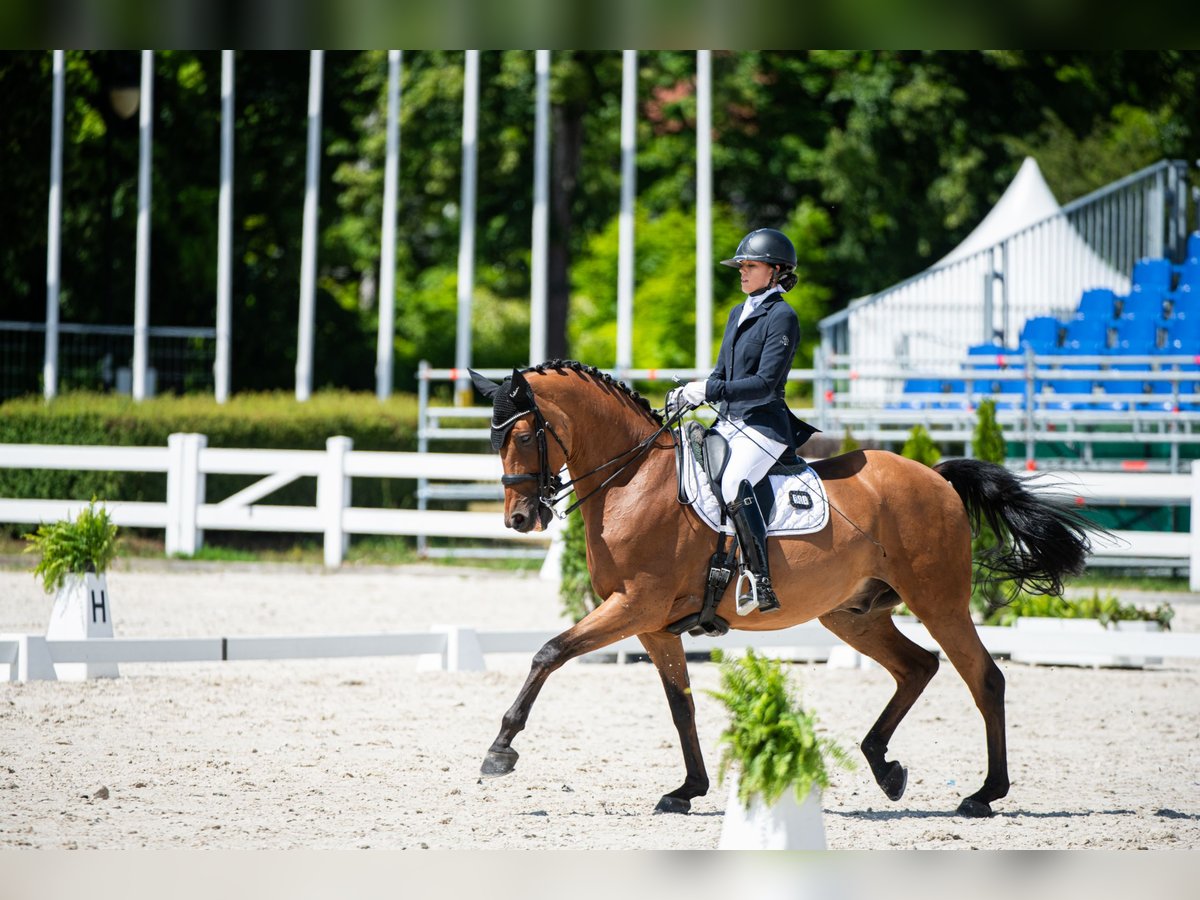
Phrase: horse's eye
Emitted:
{"points": [[525, 438]]}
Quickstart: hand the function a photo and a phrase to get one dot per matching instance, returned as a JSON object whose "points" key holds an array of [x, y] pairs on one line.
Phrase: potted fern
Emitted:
{"points": [[73, 558], [781, 763]]}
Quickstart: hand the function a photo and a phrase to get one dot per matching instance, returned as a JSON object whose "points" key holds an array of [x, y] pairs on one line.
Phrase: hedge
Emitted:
{"points": [[274, 421]]}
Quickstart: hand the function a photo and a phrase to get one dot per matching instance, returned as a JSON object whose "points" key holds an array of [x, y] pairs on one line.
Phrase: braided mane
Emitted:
{"points": [[575, 366]]}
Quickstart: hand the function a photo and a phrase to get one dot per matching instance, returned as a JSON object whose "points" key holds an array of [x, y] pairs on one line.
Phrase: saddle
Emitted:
{"points": [[712, 452]]}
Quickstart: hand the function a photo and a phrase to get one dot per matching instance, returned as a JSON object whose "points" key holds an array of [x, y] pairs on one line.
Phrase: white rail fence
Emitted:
{"points": [[453, 648], [187, 459]]}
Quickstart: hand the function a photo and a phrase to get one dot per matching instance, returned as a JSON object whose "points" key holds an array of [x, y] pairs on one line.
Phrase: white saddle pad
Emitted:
{"points": [[801, 506]]}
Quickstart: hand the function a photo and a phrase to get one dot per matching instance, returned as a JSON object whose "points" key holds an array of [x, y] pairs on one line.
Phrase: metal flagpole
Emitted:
{"points": [[541, 219], [466, 241], [625, 221], [54, 232], [141, 298], [387, 252], [308, 256], [224, 232], [703, 209]]}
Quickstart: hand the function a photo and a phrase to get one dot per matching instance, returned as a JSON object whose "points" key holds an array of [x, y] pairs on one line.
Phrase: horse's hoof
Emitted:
{"points": [[895, 781], [669, 804], [498, 762], [975, 809]]}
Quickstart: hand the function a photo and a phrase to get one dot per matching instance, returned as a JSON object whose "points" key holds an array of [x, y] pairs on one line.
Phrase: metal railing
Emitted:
{"points": [[99, 358], [1041, 270]]}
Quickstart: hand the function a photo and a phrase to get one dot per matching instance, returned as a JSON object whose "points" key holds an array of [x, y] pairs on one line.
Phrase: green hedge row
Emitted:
{"points": [[274, 421]]}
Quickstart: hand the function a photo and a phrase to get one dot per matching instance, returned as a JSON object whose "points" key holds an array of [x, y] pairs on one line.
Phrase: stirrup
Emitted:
{"points": [[747, 598], [751, 600]]}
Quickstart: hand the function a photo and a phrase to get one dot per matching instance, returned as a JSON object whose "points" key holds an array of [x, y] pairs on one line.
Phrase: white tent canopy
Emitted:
{"points": [[1025, 258]]}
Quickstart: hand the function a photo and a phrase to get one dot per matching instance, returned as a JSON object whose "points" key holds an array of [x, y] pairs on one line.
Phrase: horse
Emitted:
{"points": [[901, 534]]}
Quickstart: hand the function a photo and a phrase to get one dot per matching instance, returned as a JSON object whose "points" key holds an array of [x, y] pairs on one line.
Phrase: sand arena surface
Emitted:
{"points": [[374, 753]]}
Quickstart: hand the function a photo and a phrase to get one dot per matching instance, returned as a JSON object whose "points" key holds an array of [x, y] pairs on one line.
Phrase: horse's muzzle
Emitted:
{"points": [[528, 517]]}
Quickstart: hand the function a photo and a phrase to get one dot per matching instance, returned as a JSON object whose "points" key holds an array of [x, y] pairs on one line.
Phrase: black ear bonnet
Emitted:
{"points": [[511, 399]]}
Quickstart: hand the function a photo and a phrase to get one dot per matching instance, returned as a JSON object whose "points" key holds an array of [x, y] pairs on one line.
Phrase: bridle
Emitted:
{"points": [[551, 489]]}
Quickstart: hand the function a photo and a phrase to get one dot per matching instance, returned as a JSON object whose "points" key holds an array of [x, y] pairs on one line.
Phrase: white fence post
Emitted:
{"points": [[33, 659], [1194, 566], [333, 496], [185, 493]]}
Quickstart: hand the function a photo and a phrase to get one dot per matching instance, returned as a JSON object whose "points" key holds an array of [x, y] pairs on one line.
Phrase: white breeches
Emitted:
{"points": [[751, 455]]}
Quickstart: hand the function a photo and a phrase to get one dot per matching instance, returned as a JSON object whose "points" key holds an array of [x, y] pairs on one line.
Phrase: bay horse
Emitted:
{"points": [[901, 533]]}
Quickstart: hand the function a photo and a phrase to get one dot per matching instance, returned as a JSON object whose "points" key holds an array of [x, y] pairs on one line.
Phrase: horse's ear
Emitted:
{"points": [[485, 386], [520, 391]]}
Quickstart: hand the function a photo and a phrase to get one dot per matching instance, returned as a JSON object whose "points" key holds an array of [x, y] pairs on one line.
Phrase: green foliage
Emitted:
{"points": [[987, 441], [920, 447], [575, 589], [849, 442], [770, 738], [87, 544], [247, 420], [988, 445], [876, 162], [1107, 609]]}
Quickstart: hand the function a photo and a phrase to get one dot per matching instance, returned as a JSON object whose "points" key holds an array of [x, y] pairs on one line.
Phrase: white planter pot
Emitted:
{"points": [[1045, 624], [785, 825], [81, 611]]}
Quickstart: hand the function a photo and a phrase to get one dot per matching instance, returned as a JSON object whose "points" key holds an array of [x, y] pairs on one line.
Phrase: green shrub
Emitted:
{"points": [[849, 443], [273, 421], [575, 589], [88, 544], [1107, 609], [920, 447], [771, 738]]}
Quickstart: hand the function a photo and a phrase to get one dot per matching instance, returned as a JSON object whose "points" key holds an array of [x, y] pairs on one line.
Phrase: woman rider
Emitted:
{"points": [[756, 355]]}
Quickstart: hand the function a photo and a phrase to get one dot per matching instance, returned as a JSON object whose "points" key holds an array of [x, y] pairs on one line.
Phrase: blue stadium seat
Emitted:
{"points": [[1193, 245], [985, 358], [921, 386], [920, 394], [1084, 337], [1152, 274], [1096, 303], [1189, 275], [1087, 336], [1143, 305], [1183, 336], [1134, 337], [1042, 334]]}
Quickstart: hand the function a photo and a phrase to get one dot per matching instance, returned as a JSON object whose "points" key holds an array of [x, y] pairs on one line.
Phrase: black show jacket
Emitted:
{"points": [[753, 366]]}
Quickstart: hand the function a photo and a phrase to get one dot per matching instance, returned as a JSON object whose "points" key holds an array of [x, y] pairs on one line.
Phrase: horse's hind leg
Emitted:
{"points": [[955, 633], [666, 652], [875, 635]]}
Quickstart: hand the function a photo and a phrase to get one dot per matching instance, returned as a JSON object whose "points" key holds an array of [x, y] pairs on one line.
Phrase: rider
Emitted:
{"points": [[756, 355]]}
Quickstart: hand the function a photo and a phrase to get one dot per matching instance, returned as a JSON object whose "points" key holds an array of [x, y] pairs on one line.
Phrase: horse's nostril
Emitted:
{"points": [[518, 519]]}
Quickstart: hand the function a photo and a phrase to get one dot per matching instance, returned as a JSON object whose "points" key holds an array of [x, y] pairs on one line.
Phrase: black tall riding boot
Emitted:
{"points": [[751, 531]]}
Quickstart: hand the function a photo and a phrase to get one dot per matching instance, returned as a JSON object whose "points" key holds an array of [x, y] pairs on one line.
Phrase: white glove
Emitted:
{"points": [[693, 392]]}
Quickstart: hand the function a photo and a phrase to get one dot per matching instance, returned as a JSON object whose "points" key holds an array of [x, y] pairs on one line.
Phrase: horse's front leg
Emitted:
{"points": [[666, 652], [614, 619]]}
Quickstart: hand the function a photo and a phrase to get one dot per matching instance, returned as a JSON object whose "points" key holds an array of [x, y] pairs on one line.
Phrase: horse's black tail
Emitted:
{"points": [[1041, 538]]}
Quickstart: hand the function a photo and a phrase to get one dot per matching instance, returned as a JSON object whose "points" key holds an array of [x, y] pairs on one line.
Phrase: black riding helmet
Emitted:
{"points": [[764, 245]]}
